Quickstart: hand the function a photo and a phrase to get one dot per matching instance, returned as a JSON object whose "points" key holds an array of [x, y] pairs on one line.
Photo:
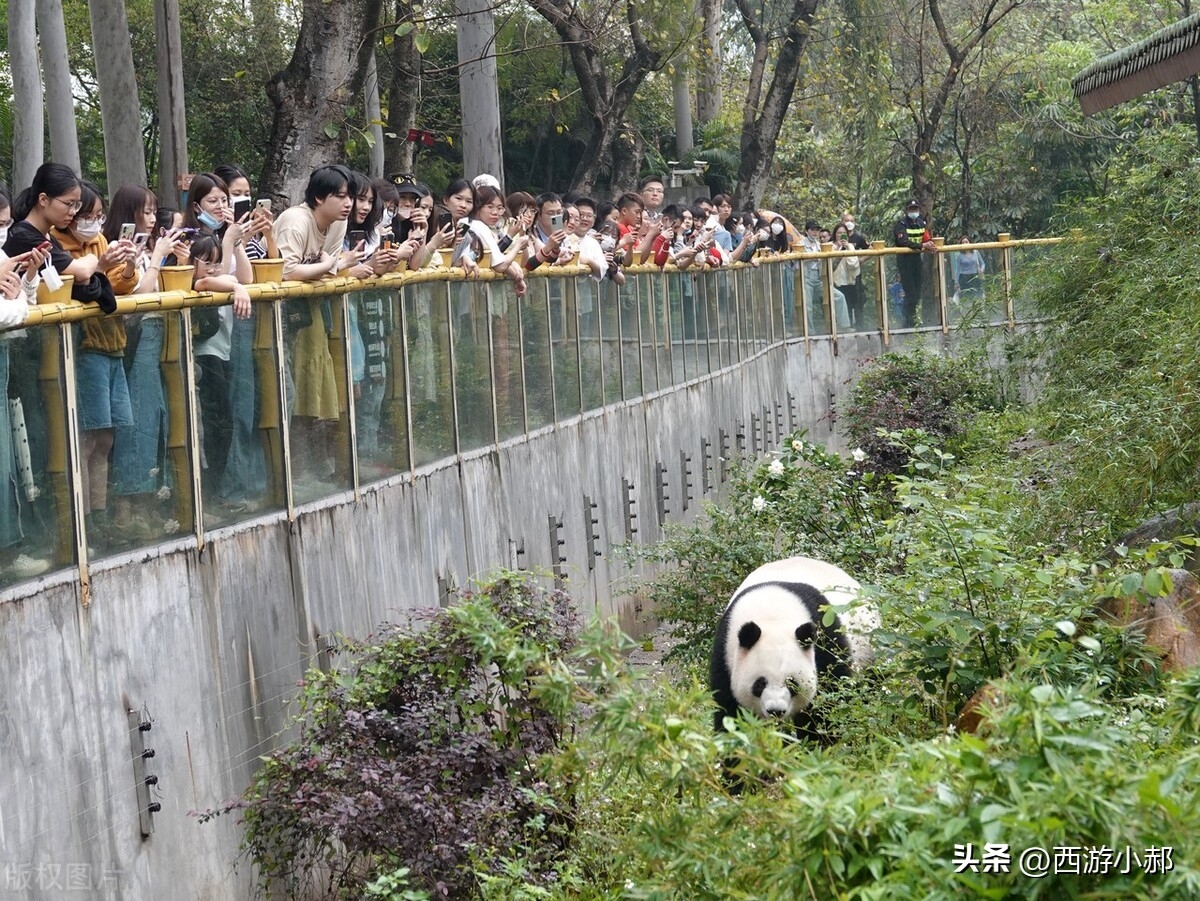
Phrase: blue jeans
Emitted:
{"points": [[137, 449], [245, 475]]}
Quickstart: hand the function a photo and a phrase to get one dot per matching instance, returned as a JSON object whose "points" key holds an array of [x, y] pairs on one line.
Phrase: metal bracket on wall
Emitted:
{"points": [[791, 404], [516, 555], [705, 463], [768, 421], [723, 455], [778, 422], [142, 781], [557, 542], [739, 439], [592, 529], [660, 491], [754, 434], [446, 589], [685, 476], [629, 502]]}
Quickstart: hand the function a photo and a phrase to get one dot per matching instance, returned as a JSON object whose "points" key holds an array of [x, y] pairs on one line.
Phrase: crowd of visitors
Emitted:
{"points": [[346, 223]]}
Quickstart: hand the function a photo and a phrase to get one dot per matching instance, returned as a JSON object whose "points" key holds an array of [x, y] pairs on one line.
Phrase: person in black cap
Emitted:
{"points": [[911, 232]]}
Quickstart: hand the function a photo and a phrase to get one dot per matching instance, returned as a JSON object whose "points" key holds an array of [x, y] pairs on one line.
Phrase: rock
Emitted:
{"points": [[1171, 624], [1184, 520]]}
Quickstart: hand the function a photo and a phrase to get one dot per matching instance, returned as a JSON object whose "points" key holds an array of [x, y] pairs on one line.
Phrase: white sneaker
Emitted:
{"points": [[26, 567]]}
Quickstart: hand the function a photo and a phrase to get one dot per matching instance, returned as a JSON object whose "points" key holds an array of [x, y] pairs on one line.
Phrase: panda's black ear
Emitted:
{"points": [[806, 634], [748, 635]]}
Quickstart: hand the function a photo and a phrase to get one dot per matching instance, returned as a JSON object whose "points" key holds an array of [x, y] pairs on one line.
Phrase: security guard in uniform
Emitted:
{"points": [[912, 232]]}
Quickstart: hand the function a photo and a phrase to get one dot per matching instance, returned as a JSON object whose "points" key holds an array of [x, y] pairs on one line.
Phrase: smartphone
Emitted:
{"points": [[127, 230], [404, 228], [139, 240], [387, 243], [444, 219], [45, 245], [264, 203], [556, 222], [356, 237], [240, 209]]}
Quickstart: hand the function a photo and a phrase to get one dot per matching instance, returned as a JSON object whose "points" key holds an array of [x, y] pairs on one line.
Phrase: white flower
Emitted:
{"points": [[759, 503], [163, 493], [797, 445], [171, 526], [776, 468], [859, 455]]}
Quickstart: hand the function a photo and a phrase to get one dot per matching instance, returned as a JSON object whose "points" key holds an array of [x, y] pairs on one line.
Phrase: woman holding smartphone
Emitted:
{"points": [[138, 469]]}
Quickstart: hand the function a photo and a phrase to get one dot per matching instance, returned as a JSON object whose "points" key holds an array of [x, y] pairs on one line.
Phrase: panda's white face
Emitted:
{"points": [[770, 653]]}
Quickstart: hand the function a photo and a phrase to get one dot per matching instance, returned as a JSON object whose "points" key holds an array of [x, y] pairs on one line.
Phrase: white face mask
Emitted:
{"points": [[850, 227], [914, 215], [3, 235], [87, 230], [777, 228], [386, 219]]}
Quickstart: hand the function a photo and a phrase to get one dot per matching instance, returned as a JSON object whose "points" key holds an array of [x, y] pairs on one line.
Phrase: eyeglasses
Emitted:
{"points": [[98, 220], [74, 206]]}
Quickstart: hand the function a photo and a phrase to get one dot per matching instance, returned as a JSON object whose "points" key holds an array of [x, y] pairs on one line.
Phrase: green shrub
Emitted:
{"points": [[416, 761]]}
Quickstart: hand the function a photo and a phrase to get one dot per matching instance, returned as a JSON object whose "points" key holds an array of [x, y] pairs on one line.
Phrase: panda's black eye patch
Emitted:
{"points": [[760, 685], [748, 635], [806, 634]]}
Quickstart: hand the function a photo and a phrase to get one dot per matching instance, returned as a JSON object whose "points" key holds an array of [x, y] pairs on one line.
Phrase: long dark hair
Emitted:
{"points": [[201, 186], [360, 184], [51, 179], [89, 193], [127, 205], [229, 173]]}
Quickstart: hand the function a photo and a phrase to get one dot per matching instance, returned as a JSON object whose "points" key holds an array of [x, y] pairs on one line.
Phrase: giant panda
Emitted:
{"points": [[771, 654]]}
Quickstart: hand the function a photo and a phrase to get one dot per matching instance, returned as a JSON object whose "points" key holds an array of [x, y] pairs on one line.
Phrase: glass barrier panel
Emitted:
{"points": [[472, 364], [720, 319], [320, 414], [591, 370], [238, 476], [647, 304], [380, 387], [1023, 258], [507, 363], [660, 315], [708, 353], [427, 323], [810, 279], [564, 337], [535, 339], [630, 336], [771, 307], [676, 285], [693, 323], [864, 310], [609, 326], [36, 533]]}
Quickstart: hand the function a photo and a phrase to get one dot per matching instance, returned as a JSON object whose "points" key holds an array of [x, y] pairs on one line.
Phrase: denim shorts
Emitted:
{"points": [[103, 393]]}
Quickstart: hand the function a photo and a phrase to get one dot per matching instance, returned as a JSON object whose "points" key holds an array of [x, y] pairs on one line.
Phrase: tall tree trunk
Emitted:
{"points": [[172, 118], [606, 94], [124, 154], [682, 92], [479, 94], [374, 128], [626, 152], [708, 92], [28, 124], [761, 124], [310, 96], [60, 105], [403, 95]]}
